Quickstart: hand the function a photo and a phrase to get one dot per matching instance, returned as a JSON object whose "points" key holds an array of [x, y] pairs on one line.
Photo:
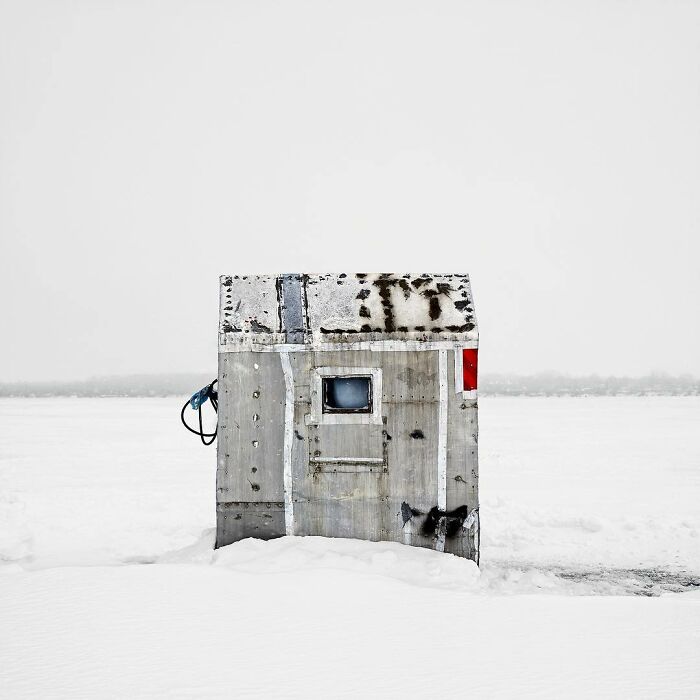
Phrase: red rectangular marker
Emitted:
{"points": [[469, 364]]}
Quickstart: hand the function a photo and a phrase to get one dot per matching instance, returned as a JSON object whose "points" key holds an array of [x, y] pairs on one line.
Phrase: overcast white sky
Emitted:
{"points": [[550, 149]]}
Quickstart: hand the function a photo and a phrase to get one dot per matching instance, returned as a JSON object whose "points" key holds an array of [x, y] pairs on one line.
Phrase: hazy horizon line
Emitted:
{"points": [[191, 373], [546, 383]]}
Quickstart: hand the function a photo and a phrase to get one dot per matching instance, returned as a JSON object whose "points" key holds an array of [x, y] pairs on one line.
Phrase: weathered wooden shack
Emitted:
{"points": [[348, 408]]}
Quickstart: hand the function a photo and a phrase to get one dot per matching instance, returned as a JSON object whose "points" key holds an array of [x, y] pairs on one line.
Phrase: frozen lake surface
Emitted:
{"points": [[588, 585]]}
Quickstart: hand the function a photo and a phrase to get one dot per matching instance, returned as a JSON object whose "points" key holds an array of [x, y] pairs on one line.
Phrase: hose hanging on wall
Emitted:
{"points": [[196, 403]]}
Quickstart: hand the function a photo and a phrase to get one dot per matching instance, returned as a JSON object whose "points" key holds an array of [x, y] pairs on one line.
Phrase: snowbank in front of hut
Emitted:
{"points": [[318, 618], [391, 560]]}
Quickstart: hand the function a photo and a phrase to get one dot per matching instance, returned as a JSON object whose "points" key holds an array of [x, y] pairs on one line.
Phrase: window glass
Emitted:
{"points": [[347, 394]]}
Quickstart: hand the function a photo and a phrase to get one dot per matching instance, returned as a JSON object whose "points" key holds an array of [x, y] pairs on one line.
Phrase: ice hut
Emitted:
{"points": [[348, 408]]}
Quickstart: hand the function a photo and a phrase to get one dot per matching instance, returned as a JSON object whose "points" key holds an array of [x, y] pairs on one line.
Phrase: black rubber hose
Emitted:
{"points": [[213, 397]]}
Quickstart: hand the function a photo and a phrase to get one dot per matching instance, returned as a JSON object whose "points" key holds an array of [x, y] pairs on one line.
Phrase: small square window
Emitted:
{"points": [[347, 394]]}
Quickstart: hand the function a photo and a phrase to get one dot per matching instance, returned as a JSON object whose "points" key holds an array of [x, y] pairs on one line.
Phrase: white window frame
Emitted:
{"points": [[318, 417]]}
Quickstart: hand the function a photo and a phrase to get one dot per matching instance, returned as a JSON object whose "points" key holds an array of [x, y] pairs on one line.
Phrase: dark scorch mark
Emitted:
{"points": [[258, 327], [454, 519], [407, 512], [384, 286]]}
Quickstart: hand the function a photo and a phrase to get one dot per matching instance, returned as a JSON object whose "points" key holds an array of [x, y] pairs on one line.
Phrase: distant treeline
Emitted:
{"points": [[543, 384], [125, 385]]}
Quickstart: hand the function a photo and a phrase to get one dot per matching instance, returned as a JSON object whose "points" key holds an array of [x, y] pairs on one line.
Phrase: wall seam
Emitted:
{"points": [[288, 441]]}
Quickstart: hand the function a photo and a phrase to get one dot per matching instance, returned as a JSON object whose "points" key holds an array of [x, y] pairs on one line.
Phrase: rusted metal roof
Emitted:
{"points": [[346, 307]]}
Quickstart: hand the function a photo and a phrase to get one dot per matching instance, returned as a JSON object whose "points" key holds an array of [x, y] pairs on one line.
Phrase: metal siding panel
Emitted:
{"points": [[410, 376], [251, 428], [362, 505], [344, 505], [293, 309], [462, 455], [412, 465], [462, 463], [346, 441], [236, 521], [411, 395]]}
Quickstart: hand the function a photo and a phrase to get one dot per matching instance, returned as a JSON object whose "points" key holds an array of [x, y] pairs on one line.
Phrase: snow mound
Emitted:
{"points": [[410, 565]]}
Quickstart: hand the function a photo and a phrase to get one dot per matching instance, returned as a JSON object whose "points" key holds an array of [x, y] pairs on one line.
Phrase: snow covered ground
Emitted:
{"points": [[589, 583]]}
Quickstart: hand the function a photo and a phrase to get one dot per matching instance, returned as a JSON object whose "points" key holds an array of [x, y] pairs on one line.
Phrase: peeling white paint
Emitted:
{"points": [[248, 344], [347, 460], [440, 542], [459, 369], [473, 522], [288, 441], [408, 532]]}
